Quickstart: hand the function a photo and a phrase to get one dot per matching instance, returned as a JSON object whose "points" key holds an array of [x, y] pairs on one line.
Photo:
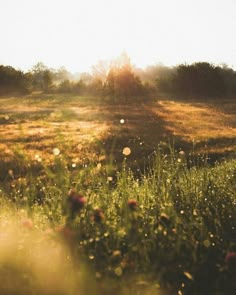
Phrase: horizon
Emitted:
{"points": [[79, 34], [90, 68]]}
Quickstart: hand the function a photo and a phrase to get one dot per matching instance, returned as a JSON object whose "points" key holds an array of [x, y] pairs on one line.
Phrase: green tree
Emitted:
{"points": [[13, 81], [42, 77]]}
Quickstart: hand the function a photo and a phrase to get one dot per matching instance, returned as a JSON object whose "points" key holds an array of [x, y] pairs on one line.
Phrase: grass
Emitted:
{"points": [[169, 229], [211, 125], [40, 122], [157, 221]]}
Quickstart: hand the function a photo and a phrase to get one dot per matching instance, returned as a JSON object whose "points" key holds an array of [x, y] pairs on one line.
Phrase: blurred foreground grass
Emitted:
{"points": [[165, 231]]}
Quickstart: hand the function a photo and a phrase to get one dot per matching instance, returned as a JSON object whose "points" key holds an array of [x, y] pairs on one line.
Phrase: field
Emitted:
{"points": [[76, 124], [153, 201]]}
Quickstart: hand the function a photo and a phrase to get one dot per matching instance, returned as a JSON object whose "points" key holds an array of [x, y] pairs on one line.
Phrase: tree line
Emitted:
{"points": [[120, 80], [199, 79]]}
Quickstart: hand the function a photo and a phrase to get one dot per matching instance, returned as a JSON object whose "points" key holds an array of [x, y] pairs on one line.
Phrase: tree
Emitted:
{"points": [[61, 75], [42, 77], [123, 84], [13, 81], [201, 79]]}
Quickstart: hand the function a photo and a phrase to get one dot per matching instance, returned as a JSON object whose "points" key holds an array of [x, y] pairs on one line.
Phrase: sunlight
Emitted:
{"points": [[77, 34]]}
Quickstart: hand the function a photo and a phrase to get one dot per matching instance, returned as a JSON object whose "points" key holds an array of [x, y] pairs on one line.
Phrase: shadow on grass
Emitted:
{"points": [[142, 131]]}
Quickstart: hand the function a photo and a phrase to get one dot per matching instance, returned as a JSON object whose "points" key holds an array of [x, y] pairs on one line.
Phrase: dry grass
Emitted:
{"points": [[212, 124], [37, 124], [46, 124]]}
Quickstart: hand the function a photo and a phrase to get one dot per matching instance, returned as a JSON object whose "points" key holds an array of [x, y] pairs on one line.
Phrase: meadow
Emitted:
{"points": [[100, 198]]}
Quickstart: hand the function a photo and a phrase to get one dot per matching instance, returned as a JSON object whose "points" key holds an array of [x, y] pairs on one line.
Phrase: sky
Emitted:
{"points": [[79, 33]]}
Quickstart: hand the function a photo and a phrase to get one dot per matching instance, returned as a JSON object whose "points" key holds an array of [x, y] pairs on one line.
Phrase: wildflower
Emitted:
{"points": [[76, 201], [98, 215], [132, 204], [230, 260], [27, 223]]}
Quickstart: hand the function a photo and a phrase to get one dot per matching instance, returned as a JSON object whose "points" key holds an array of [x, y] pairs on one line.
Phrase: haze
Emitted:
{"points": [[76, 34]]}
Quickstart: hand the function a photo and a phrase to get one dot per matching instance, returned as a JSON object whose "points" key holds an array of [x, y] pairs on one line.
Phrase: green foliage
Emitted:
{"points": [[41, 77], [67, 86], [120, 81], [173, 225], [13, 81], [200, 79]]}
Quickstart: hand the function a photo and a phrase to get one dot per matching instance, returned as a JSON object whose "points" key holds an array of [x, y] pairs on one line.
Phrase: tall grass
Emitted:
{"points": [[168, 229]]}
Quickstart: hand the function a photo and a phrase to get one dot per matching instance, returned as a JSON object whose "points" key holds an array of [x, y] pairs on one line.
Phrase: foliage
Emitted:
{"points": [[172, 227], [122, 84], [199, 79], [118, 80], [67, 86], [13, 81], [41, 77]]}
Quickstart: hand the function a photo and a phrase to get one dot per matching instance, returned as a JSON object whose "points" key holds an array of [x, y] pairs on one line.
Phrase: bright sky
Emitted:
{"points": [[78, 33]]}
